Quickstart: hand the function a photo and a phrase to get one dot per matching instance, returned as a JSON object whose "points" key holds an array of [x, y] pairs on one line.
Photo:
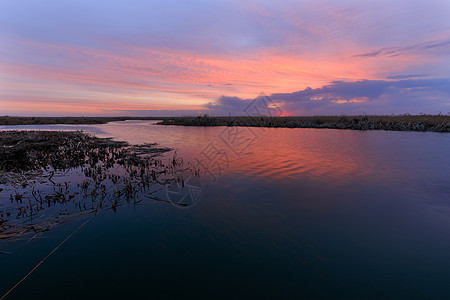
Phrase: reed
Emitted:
{"points": [[436, 123], [50, 177], [7, 120]]}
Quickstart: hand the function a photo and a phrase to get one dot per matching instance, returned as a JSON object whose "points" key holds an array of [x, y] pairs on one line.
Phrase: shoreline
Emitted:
{"points": [[421, 123], [7, 120]]}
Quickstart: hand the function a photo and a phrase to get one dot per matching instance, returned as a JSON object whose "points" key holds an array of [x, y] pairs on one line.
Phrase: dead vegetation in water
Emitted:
{"points": [[435, 123], [34, 150], [49, 177]]}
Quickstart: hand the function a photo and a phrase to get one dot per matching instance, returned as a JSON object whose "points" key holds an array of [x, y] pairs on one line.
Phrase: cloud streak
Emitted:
{"points": [[436, 46]]}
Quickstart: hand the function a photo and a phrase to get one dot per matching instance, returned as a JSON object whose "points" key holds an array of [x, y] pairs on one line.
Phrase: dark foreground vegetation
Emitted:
{"points": [[67, 120], [437, 123], [50, 177]]}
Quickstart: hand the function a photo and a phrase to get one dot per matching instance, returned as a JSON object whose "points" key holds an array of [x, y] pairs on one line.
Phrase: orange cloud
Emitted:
{"points": [[131, 76], [353, 100]]}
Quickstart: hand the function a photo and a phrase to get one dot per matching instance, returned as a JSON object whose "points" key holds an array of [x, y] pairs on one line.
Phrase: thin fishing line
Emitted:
{"points": [[43, 260]]}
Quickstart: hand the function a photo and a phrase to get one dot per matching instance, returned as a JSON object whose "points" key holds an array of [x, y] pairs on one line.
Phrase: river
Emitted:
{"points": [[276, 212]]}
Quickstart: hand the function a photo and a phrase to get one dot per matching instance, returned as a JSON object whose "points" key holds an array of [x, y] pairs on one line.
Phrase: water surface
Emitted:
{"points": [[283, 213]]}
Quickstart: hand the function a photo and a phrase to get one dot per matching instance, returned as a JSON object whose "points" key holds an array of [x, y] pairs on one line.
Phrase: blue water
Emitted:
{"points": [[290, 213]]}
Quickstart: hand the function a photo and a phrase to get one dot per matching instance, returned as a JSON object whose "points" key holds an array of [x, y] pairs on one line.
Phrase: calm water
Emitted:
{"points": [[312, 213]]}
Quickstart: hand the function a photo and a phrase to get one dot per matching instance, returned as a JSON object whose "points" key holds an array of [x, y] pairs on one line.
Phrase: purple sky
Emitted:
{"points": [[190, 57]]}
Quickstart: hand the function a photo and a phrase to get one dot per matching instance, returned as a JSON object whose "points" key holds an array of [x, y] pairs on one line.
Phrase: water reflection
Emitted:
{"points": [[297, 213]]}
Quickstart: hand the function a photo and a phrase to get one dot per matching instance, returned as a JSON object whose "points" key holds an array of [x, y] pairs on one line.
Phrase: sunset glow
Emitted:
{"points": [[161, 58]]}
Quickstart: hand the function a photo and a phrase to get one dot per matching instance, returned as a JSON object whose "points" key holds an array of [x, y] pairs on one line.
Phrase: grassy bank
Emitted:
{"points": [[436, 123], [67, 120]]}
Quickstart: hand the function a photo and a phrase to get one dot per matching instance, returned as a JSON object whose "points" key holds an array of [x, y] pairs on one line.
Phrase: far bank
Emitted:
{"points": [[435, 123]]}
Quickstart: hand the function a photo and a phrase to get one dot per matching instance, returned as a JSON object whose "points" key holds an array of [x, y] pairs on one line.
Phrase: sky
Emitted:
{"points": [[170, 58]]}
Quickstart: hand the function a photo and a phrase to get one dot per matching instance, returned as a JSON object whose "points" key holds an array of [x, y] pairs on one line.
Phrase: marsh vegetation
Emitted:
{"points": [[437, 123], [7, 120], [50, 177]]}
